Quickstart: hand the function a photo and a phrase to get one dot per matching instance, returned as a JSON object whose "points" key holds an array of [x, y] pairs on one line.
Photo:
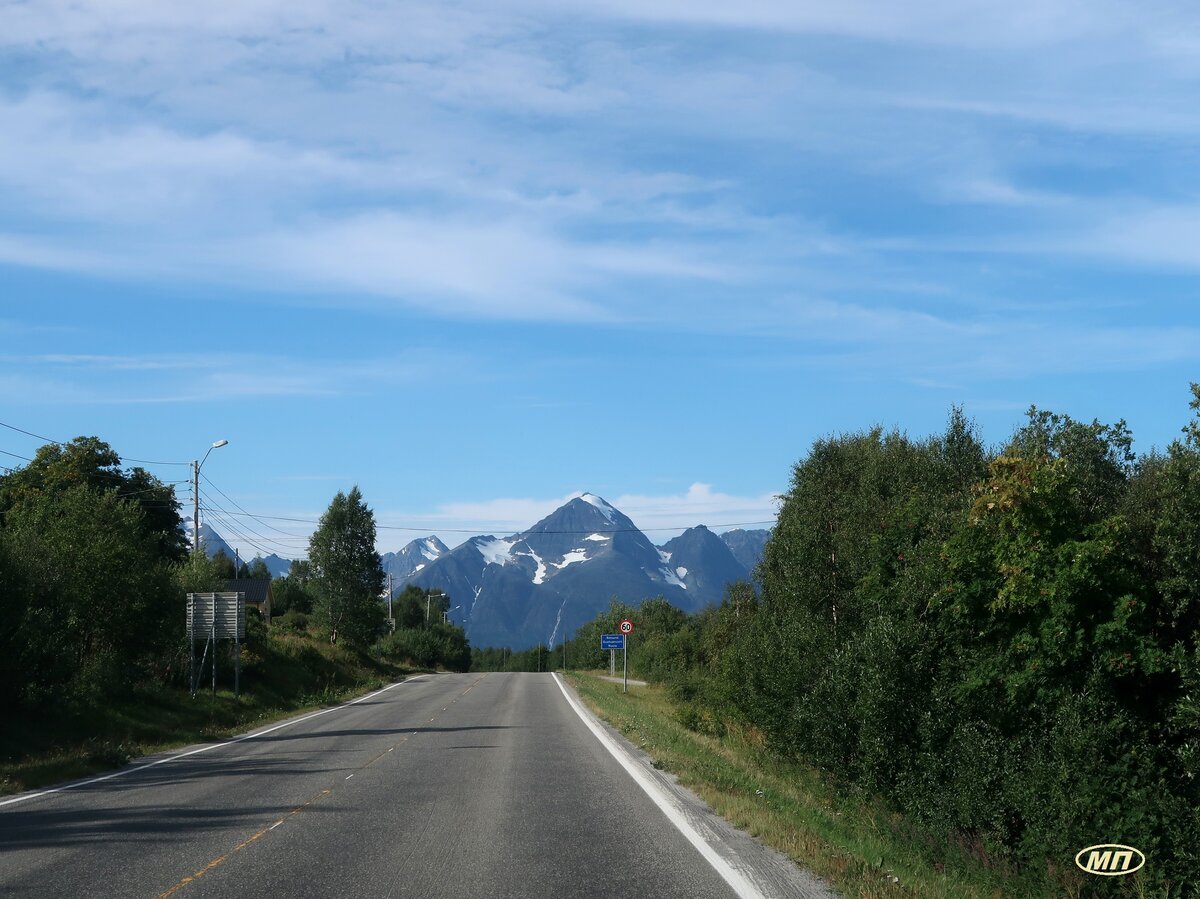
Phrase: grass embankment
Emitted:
{"points": [[851, 840], [281, 676]]}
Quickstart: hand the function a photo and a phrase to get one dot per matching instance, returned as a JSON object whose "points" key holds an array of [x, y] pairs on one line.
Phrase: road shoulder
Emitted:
{"points": [[758, 870]]}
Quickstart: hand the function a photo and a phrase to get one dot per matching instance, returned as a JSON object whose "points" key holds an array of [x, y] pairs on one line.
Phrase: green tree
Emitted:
{"points": [[96, 609], [90, 462], [257, 570], [225, 568], [348, 576]]}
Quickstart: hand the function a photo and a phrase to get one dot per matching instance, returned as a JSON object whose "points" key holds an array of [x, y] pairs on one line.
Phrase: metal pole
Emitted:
{"points": [[625, 657], [195, 505], [237, 667], [191, 635], [214, 642], [612, 662], [390, 596]]}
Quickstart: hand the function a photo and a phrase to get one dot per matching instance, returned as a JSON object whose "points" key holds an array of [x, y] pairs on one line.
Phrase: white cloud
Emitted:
{"points": [[661, 516]]}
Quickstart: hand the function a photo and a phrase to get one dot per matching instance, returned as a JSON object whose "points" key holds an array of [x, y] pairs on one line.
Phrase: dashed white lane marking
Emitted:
{"points": [[174, 758], [666, 803]]}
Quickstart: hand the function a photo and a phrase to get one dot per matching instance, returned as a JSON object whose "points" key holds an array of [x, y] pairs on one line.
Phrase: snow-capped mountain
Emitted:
{"points": [[413, 558], [214, 543], [542, 584]]}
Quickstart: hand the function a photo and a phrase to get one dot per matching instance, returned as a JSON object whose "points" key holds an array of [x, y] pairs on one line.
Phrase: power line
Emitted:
{"points": [[278, 544], [63, 443], [236, 505], [30, 433], [15, 456], [235, 533], [432, 528]]}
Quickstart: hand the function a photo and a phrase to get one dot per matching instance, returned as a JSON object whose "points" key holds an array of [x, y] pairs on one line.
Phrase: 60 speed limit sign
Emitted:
{"points": [[626, 626]]}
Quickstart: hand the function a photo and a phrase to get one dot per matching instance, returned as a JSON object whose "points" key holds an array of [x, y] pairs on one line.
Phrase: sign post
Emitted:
{"points": [[212, 617], [626, 629], [612, 642]]}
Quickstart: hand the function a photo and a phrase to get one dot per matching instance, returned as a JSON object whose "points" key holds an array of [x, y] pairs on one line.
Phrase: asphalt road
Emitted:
{"points": [[449, 785]]}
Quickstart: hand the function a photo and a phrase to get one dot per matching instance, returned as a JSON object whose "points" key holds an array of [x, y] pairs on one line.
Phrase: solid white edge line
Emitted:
{"points": [[665, 802], [26, 797]]}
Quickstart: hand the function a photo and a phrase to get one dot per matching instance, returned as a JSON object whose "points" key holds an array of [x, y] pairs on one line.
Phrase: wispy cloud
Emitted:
{"points": [[98, 379], [661, 516]]}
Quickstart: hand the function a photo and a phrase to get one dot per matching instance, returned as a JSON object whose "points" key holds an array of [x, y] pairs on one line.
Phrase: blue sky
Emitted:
{"points": [[478, 257]]}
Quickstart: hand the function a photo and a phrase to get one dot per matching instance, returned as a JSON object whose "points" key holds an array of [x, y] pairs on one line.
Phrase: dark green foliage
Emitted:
{"points": [[292, 621], [87, 607], [1004, 648], [90, 462], [414, 607], [226, 567], [291, 594], [437, 646]]}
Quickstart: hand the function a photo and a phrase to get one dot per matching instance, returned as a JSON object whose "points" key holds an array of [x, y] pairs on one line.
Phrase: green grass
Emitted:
{"points": [[852, 841], [281, 677]]}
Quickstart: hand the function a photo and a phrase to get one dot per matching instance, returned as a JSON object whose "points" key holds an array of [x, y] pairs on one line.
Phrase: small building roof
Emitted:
{"points": [[257, 590]]}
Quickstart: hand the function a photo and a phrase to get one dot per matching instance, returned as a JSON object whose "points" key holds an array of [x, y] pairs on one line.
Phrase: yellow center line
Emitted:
{"points": [[217, 862]]}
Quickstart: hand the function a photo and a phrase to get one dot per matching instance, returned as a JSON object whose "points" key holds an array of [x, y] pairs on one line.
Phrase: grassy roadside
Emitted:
{"points": [[852, 842], [282, 677]]}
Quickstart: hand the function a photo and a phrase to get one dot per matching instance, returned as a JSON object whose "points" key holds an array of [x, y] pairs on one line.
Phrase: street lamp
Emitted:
{"points": [[196, 494]]}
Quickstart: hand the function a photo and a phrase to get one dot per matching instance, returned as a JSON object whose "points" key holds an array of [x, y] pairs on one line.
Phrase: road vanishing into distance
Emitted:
{"points": [[454, 785]]}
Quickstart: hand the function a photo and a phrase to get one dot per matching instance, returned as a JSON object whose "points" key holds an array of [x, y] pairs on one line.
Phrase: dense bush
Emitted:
{"points": [[438, 646], [1001, 645]]}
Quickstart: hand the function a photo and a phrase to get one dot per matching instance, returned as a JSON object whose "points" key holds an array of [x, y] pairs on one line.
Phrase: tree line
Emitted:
{"points": [[1002, 644], [95, 567]]}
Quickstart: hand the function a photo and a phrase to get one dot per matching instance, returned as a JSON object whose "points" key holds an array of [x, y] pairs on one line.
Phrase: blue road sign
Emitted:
{"points": [[612, 641]]}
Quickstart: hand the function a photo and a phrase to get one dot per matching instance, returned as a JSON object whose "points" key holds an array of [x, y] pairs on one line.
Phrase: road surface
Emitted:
{"points": [[486, 785]]}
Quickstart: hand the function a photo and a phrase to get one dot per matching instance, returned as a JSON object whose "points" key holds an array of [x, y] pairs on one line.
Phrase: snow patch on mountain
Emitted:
{"points": [[681, 571], [539, 576], [605, 509], [418, 568], [575, 555], [496, 551], [665, 556], [597, 537]]}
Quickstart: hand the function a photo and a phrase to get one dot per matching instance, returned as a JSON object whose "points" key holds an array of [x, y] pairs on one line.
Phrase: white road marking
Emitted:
{"points": [[262, 733], [665, 802]]}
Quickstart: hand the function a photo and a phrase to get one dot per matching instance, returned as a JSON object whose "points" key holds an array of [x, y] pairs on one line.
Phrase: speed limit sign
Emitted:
{"points": [[626, 626]]}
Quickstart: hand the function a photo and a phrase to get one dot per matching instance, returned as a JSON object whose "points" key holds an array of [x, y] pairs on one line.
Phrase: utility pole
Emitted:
{"points": [[196, 464], [195, 505]]}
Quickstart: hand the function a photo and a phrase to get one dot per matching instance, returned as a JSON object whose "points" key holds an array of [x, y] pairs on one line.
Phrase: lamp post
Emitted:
{"points": [[196, 494]]}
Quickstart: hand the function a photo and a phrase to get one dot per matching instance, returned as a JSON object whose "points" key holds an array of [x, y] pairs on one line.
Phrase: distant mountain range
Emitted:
{"points": [[214, 543], [538, 586]]}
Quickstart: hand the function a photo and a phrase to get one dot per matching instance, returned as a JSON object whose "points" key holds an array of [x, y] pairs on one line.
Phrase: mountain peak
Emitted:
{"points": [[599, 503]]}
